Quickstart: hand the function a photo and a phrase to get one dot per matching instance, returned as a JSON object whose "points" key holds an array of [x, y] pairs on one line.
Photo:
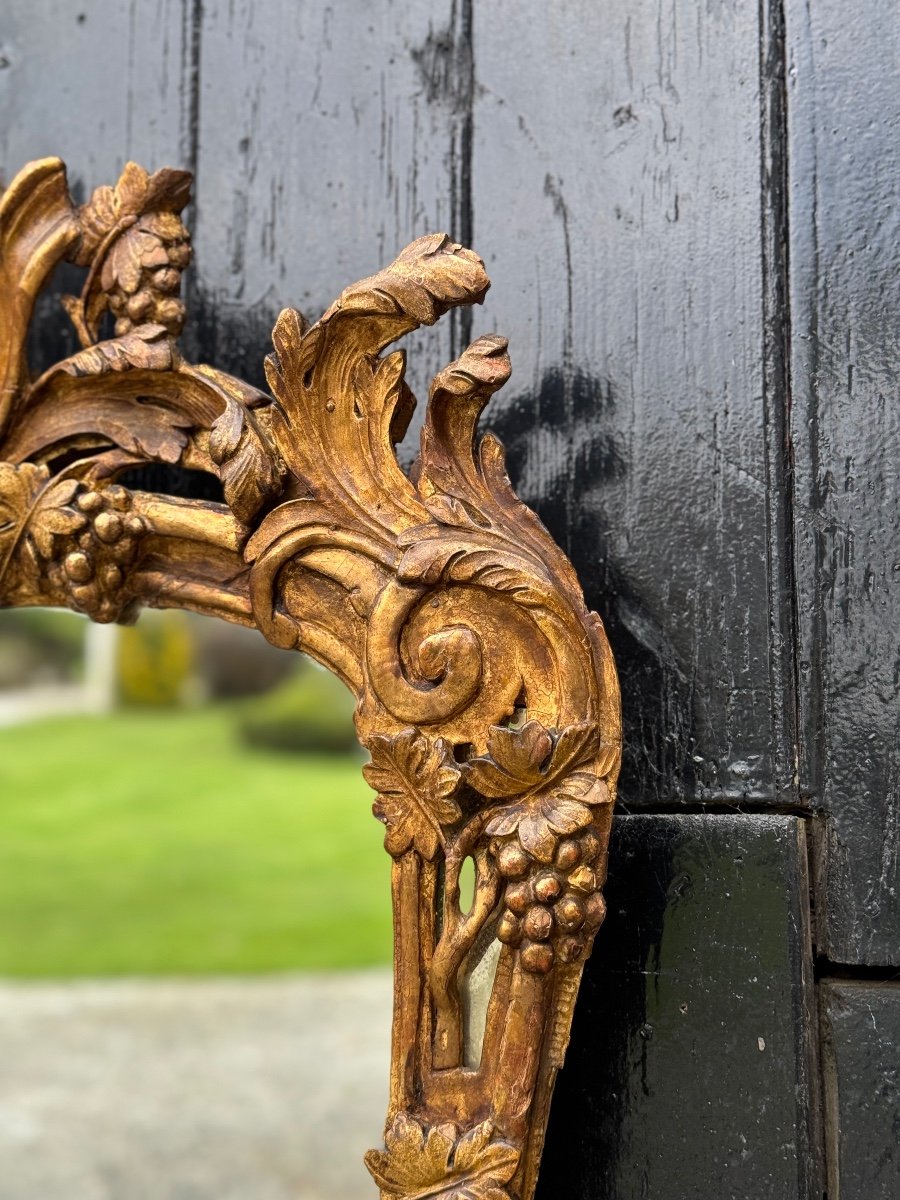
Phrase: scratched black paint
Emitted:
{"points": [[845, 293], [628, 273], [860, 1036], [657, 716]]}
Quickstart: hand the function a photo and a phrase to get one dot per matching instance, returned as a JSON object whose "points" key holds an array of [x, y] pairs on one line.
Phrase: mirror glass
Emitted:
{"points": [[195, 942]]}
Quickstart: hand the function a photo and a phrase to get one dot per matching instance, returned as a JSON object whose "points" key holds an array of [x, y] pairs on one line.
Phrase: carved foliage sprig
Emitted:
{"points": [[547, 835], [555, 798], [136, 247], [440, 1163], [19, 488], [135, 193]]}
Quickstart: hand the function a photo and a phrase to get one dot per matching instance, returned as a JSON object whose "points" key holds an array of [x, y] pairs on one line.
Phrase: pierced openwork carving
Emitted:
{"points": [[487, 694]]}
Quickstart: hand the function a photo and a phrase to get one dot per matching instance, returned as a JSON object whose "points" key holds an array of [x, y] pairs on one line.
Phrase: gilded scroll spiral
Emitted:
{"points": [[487, 695]]}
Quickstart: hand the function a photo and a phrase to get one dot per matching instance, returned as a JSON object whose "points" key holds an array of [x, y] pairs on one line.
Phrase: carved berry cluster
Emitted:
{"points": [[103, 545], [144, 274], [551, 911]]}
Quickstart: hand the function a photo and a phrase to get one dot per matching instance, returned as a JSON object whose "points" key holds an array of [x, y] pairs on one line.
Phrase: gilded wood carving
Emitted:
{"points": [[487, 694]]}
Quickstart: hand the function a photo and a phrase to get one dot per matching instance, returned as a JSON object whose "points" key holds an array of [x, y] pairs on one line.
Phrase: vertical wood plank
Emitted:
{"points": [[616, 186], [330, 137], [844, 105], [860, 1036]]}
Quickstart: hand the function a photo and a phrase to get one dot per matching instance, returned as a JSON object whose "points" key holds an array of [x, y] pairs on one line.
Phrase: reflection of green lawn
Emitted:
{"points": [[153, 843]]}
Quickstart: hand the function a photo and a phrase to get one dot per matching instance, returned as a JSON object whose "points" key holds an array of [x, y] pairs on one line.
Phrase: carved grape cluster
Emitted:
{"points": [[143, 274], [103, 544], [134, 242], [551, 911]]}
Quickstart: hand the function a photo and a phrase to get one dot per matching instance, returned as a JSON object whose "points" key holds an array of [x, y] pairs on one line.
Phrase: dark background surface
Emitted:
{"points": [[690, 214]]}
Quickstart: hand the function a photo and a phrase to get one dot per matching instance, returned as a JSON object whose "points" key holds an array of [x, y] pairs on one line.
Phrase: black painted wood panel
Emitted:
{"points": [[95, 82], [690, 1073], [844, 105], [329, 136], [861, 1064], [617, 194]]}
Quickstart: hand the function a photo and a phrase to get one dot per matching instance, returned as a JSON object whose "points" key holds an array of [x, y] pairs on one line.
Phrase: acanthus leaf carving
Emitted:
{"points": [[486, 691], [251, 471], [436, 1161]]}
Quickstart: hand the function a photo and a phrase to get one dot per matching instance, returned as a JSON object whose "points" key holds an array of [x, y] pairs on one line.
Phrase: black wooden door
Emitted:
{"points": [[690, 214]]}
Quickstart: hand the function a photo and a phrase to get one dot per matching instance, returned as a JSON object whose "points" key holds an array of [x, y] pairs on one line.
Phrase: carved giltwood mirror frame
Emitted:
{"points": [[486, 691]]}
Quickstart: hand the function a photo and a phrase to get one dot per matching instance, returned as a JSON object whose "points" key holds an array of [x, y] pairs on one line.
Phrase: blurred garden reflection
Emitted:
{"points": [[180, 799]]}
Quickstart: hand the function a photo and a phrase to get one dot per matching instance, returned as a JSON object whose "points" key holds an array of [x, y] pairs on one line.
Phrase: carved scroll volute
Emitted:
{"points": [[487, 694]]}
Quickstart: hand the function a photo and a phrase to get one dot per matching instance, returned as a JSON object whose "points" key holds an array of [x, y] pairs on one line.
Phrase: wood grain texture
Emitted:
{"points": [[691, 1068], [860, 1036], [618, 195], [102, 80], [845, 294]]}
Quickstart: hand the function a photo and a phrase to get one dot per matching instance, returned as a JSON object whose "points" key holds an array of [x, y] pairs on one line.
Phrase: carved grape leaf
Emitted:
{"points": [[416, 780], [435, 1162], [532, 763], [19, 485], [136, 192], [540, 822], [542, 818], [519, 760], [514, 761], [574, 745]]}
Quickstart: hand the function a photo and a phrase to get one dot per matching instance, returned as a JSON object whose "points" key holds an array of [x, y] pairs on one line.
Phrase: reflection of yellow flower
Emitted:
{"points": [[436, 1163], [155, 660]]}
